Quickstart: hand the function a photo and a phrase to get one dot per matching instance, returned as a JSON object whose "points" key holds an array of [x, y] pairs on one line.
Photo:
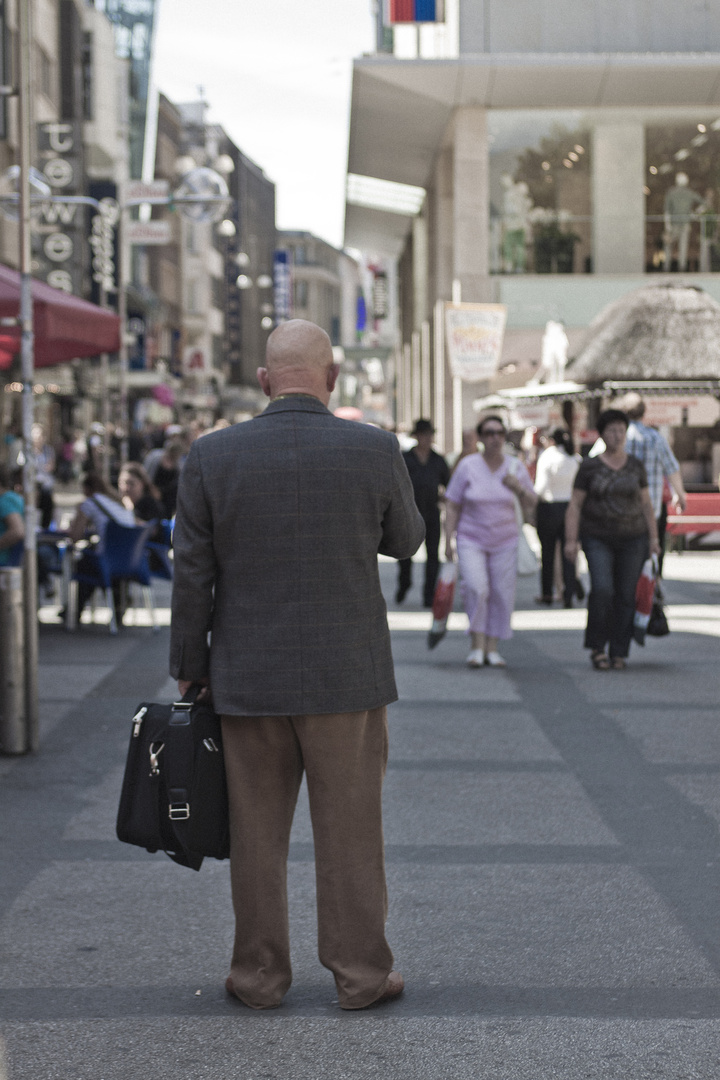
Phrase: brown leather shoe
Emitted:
{"points": [[232, 992], [393, 988]]}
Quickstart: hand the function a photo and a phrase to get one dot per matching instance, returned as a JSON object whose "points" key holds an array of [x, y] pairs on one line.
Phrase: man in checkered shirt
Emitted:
{"points": [[652, 449]]}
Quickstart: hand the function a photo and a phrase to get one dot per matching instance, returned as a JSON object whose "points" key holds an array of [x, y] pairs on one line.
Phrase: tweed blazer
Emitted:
{"points": [[278, 528]]}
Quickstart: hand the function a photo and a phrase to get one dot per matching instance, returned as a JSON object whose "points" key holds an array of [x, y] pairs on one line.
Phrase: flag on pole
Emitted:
{"points": [[415, 11]]}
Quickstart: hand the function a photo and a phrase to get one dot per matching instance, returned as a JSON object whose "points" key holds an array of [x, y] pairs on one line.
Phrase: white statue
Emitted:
{"points": [[553, 358]]}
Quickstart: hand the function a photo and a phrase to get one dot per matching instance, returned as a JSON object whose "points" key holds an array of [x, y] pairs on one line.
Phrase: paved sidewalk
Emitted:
{"points": [[553, 865]]}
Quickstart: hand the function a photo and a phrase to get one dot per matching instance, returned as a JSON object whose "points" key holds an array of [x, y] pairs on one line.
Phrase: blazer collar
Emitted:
{"points": [[296, 403]]}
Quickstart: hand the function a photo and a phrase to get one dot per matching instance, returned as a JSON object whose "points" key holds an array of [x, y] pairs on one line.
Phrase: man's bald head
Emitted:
{"points": [[298, 360]]}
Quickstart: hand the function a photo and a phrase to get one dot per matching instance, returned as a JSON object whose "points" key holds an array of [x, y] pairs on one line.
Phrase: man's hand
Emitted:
{"points": [[679, 502], [185, 684]]}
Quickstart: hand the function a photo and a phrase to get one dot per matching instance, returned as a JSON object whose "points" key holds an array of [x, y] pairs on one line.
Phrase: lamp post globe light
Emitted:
{"points": [[226, 228], [202, 195]]}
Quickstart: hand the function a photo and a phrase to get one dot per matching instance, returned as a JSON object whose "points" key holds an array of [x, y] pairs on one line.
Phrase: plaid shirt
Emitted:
{"points": [[652, 449]]}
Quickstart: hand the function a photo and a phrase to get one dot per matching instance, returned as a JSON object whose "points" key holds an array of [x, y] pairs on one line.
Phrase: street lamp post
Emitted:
{"points": [[28, 372]]}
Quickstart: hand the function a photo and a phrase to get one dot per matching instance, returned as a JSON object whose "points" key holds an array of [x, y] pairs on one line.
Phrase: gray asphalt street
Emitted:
{"points": [[553, 865]]}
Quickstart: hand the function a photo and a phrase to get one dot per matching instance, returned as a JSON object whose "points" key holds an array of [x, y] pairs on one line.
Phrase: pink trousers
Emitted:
{"points": [[488, 587]]}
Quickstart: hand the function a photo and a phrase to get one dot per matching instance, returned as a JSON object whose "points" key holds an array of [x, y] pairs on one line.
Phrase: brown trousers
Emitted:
{"points": [[344, 757]]}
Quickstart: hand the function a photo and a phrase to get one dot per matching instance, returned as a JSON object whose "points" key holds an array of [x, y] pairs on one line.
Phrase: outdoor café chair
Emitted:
{"points": [[161, 565], [123, 558]]}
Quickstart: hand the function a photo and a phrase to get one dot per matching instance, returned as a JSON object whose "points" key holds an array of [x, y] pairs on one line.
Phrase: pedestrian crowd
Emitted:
{"points": [[612, 505]]}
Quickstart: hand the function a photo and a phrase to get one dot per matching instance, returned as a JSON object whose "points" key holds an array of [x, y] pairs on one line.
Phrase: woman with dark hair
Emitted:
{"points": [[100, 505], [139, 494], [611, 513], [480, 509], [556, 469]]}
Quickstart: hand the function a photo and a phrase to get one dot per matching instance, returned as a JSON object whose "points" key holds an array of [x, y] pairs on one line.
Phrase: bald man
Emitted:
{"points": [[277, 607]]}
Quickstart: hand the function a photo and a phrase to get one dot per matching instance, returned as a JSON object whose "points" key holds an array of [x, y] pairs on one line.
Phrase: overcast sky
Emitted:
{"points": [[276, 74]]}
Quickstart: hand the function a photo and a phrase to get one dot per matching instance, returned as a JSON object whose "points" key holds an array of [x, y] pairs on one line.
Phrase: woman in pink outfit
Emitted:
{"points": [[481, 522]]}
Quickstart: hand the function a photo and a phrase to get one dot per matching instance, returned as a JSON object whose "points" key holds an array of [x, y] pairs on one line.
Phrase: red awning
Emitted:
{"points": [[65, 326]]}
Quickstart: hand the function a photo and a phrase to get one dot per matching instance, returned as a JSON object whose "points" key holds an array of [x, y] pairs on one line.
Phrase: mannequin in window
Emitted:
{"points": [[708, 231], [516, 207], [680, 201]]}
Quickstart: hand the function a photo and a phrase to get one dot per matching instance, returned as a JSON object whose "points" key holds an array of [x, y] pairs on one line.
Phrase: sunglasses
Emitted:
{"points": [[492, 431]]}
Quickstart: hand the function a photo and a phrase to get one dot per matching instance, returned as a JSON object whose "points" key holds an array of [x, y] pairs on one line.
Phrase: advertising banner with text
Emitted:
{"points": [[474, 335]]}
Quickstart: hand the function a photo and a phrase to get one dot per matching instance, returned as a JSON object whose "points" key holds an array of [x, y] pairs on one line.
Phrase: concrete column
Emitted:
{"points": [[426, 399], [420, 270], [416, 376], [471, 215], [441, 238], [471, 227], [618, 175]]}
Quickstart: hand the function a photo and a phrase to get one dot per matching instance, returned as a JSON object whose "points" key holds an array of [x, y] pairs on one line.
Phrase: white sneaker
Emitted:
{"points": [[494, 659], [476, 658]]}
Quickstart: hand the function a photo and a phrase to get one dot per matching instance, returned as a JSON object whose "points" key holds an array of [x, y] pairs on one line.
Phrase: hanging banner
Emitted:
{"points": [[474, 335]]}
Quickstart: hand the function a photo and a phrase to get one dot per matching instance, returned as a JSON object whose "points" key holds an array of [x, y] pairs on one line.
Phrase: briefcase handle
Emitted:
{"points": [[188, 698]]}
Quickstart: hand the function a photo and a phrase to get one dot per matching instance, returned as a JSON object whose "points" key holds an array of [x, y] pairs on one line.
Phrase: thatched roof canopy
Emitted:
{"points": [[663, 331]]}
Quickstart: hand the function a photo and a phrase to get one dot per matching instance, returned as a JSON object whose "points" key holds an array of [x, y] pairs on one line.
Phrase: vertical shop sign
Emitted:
{"points": [[58, 253], [103, 242]]}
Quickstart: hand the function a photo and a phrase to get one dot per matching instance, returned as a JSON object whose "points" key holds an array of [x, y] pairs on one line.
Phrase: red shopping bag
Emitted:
{"points": [[644, 596], [442, 602]]}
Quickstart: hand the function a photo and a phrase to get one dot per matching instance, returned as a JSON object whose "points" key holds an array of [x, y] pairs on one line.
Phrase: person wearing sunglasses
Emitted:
{"points": [[482, 533]]}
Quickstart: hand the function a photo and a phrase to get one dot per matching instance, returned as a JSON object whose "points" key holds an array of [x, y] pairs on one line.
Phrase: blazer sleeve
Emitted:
{"points": [[403, 529], [193, 576]]}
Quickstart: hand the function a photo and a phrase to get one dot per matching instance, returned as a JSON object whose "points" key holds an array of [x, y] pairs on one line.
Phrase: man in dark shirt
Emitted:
{"points": [[429, 472]]}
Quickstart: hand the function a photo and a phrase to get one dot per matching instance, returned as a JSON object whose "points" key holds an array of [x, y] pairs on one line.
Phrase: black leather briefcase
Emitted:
{"points": [[174, 792]]}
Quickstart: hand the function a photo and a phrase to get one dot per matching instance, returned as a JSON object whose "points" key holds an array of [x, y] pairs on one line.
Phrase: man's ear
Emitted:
{"points": [[264, 380], [332, 376]]}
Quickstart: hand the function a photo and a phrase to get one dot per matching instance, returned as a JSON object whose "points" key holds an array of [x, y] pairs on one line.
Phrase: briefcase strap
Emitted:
{"points": [[179, 762]]}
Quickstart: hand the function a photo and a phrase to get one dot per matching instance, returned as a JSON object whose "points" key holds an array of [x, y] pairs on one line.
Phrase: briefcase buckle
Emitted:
{"points": [[179, 811], [155, 751]]}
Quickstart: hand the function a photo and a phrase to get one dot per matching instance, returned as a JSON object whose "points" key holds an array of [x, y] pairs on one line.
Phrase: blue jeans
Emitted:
{"points": [[614, 567]]}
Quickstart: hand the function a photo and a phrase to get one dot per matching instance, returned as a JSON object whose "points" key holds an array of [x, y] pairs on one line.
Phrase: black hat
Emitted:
{"points": [[423, 427]]}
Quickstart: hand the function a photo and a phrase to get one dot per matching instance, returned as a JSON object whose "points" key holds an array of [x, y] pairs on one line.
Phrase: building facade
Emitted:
{"points": [[325, 285], [568, 152]]}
